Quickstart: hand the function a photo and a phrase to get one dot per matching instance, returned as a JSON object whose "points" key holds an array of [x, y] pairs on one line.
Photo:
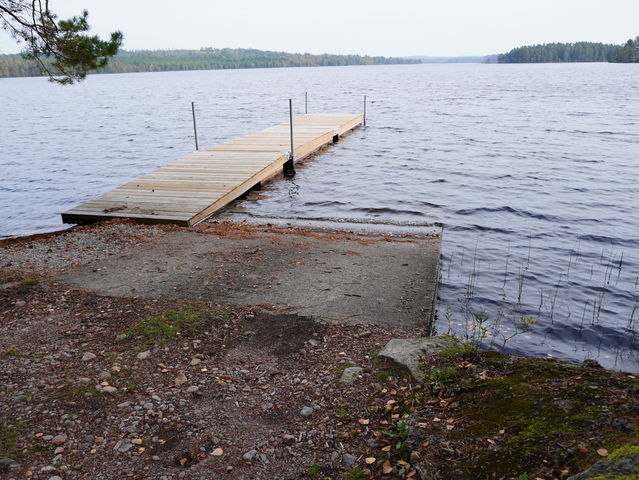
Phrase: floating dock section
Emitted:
{"points": [[194, 187]]}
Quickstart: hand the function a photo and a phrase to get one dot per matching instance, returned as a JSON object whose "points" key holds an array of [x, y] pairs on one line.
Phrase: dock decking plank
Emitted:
{"points": [[197, 185]]}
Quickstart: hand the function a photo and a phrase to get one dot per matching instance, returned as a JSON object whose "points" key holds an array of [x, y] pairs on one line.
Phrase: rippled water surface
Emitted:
{"points": [[531, 168]]}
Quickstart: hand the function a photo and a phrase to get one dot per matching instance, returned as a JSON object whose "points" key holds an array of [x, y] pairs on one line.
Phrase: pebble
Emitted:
{"points": [[125, 446], [59, 439], [109, 389], [124, 405], [313, 342], [192, 389], [180, 379], [195, 361], [88, 356], [350, 374], [348, 460], [248, 456], [144, 355], [306, 412], [7, 462], [20, 303], [55, 477], [288, 439]]}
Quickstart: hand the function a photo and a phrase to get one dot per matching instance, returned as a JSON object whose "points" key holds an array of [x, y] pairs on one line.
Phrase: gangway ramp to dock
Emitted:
{"points": [[194, 187]]}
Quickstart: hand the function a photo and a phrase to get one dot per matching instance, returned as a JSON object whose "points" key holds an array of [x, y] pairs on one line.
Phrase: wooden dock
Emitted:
{"points": [[194, 187]]}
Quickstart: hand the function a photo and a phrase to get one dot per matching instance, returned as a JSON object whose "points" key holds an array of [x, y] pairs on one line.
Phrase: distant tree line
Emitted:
{"points": [[573, 52], [203, 59], [629, 52]]}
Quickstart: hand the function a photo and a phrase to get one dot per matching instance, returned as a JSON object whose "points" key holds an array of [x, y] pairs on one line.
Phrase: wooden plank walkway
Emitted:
{"points": [[194, 187]]}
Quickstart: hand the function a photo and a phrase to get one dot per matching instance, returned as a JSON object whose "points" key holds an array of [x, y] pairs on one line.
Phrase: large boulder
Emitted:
{"points": [[406, 354]]}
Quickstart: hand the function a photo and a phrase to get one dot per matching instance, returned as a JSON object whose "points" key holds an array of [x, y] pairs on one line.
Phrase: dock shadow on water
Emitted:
{"points": [[585, 308]]}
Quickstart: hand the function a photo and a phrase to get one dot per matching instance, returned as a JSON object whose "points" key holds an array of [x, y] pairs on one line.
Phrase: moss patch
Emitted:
{"points": [[624, 452], [8, 437], [508, 415], [163, 328]]}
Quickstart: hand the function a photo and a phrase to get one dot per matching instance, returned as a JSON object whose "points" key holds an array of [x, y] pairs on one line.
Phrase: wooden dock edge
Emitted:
{"points": [[79, 216]]}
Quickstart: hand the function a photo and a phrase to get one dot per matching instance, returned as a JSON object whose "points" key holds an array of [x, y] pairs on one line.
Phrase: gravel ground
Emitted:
{"points": [[104, 387]]}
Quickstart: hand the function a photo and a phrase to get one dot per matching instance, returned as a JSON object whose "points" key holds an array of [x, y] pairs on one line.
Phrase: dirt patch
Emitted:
{"points": [[283, 334]]}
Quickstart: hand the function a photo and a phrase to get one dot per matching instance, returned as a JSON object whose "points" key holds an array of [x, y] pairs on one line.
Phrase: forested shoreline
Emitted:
{"points": [[202, 59], [573, 52]]}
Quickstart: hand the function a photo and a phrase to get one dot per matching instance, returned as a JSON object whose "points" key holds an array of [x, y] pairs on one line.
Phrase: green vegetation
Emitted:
{"points": [[57, 48], [314, 469], [629, 52], [560, 52], [203, 59], [8, 436], [574, 52], [356, 474], [441, 378], [161, 329]]}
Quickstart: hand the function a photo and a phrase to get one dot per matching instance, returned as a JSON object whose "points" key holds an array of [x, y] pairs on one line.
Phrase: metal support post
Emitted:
{"points": [[197, 147], [289, 165]]}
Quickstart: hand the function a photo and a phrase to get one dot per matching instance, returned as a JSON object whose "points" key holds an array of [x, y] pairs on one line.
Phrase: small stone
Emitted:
{"points": [[372, 443], [195, 361], [144, 355], [48, 469], [218, 452], [192, 389], [350, 374], [58, 450], [306, 412], [7, 463], [20, 303], [313, 342], [180, 379], [229, 469], [55, 477], [124, 405], [125, 446], [248, 456], [59, 439], [88, 356], [109, 389], [348, 460], [288, 439]]}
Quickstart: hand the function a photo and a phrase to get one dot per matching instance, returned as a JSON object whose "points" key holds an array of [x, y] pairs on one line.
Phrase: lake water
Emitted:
{"points": [[531, 168]]}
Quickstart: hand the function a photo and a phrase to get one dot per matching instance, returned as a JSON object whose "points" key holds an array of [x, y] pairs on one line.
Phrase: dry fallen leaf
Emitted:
{"points": [[387, 448], [411, 474], [387, 468], [364, 421], [370, 460], [218, 452]]}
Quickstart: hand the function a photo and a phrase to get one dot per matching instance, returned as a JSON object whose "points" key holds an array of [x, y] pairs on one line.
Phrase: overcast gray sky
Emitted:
{"points": [[372, 27]]}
